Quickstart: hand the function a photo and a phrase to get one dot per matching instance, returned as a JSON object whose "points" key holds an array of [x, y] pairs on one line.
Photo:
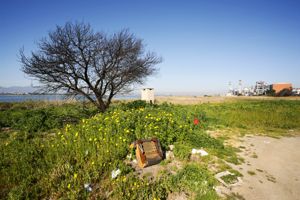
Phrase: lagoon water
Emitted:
{"points": [[57, 97]]}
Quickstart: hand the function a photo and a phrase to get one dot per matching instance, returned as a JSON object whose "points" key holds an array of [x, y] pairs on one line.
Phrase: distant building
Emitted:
{"points": [[282, 89], [260, 88], [296, 91], [148, 95]]}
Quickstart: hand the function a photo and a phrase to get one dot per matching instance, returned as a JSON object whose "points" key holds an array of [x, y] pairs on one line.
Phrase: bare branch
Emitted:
{"points": [[77, 60]]}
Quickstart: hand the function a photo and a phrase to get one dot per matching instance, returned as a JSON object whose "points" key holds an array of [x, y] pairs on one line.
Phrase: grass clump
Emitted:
{"points": [[194, 179], [252, 173], [230, 179]]}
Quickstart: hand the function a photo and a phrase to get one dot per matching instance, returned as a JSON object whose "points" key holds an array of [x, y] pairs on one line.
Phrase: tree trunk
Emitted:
{"points": [[101, 105]]}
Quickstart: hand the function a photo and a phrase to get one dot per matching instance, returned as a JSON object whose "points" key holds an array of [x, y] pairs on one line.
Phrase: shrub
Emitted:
{"points": [[58, 166]]}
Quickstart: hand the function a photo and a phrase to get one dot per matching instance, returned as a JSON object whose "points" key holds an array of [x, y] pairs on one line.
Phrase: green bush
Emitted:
{"points": [[24, 117], [182, 151]]}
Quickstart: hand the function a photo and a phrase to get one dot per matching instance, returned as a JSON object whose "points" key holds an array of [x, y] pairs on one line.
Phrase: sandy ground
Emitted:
{"points": [[276, 164]]}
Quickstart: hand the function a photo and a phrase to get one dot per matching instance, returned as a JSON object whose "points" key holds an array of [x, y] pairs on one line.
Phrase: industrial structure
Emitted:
{"points": [[296, 91], [262, 88], [282, 89]]}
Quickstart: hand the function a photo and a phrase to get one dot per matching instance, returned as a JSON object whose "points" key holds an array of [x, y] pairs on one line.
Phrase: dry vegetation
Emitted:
{"points": [[191, 100]]}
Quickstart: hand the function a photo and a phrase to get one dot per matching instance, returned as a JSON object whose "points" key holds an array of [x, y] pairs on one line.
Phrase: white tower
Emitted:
{"points": [[148, 95]]}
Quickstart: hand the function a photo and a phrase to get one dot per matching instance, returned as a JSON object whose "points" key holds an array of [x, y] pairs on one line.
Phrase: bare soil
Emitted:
{"points": [[271, 169]]}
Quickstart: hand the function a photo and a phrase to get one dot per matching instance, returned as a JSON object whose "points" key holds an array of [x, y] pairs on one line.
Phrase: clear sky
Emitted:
{"points": [[204, 43]]}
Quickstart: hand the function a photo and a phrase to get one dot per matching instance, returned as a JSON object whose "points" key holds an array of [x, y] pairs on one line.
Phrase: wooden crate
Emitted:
{"points": [[148, 152]]}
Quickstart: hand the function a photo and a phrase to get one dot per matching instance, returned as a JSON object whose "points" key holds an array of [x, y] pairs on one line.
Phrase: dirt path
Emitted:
{"points": [[271, 169]]}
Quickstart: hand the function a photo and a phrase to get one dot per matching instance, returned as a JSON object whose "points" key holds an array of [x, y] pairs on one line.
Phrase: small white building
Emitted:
{"points": [[147, 95]]}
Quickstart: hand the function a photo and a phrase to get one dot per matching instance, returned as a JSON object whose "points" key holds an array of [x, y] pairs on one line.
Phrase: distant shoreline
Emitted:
{"points": [[51, 97], [174, 99]]}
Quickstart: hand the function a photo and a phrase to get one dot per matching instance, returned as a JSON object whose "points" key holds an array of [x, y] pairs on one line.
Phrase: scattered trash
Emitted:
{"points": [[88, 187], [129, 156], [148, 152], [171, 147], [134, 161], [219, 176], [267, 142], [115, 173], [199, 151], [170, 155]]}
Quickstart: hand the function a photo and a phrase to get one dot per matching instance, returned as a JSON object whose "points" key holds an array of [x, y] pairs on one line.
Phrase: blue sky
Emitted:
{"points": [[204, 44]]}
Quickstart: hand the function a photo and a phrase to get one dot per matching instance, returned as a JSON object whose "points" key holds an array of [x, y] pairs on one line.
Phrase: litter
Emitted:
{"points": [[219, 176], [129, 156], [115, 173], [171, 147], [148, 152], [199, 151], [169, 155], [88, 187], [134, 161]]}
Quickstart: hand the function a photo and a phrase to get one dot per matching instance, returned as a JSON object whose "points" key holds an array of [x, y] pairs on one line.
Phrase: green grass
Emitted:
{"points": [[51, 151], [194, 179], [230, 179], [269, 117], [33, 117]]}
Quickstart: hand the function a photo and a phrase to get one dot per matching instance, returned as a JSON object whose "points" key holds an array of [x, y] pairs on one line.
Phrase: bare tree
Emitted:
{"points": [[77, 60]]}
